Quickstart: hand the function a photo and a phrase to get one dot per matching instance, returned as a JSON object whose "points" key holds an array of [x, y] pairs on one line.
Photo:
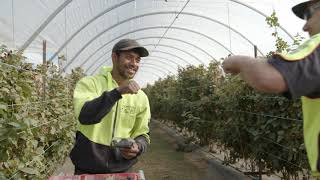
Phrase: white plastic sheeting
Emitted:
{"points": [[84, 31]]}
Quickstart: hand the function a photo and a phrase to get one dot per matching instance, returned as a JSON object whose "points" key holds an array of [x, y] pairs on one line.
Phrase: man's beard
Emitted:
{"points": [[123, 74]]}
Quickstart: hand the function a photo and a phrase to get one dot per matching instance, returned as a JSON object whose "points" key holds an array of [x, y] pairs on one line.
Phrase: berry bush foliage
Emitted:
{"points": [[36, 118]]}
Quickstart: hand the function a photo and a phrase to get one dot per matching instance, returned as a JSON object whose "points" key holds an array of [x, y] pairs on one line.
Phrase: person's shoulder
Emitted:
{"points": [[92, 79], [87, 79], [302, 51], [142, 95]]}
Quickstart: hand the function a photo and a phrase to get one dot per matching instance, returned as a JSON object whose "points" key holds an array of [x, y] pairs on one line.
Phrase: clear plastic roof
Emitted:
{"points": [[176, 32]]}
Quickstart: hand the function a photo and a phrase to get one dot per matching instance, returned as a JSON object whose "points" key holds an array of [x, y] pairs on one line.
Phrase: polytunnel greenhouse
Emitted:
{"points": [[200, 122]]}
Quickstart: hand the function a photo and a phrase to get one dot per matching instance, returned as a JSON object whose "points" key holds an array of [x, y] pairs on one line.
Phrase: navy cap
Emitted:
{"points": [[130, 44], [300, 9]]}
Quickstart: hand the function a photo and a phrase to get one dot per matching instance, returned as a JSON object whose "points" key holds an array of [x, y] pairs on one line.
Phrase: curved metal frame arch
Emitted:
{"points": [[142, 63], [168, 47], [157, 13], [86, 24], [156, 59], [171, 70], [163, 52], [261, 13], [142, 29], [153, 69], [147, 28], [43, 25], [156, 67], [172, 47], [143, 70], [175, 39], [162, 59], [157, 51], [64, 5], [121, 22], [150, 37]]}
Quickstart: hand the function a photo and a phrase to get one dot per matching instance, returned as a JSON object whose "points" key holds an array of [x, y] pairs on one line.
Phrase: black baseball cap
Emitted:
{"points": [[130, 44], [300, 9]]}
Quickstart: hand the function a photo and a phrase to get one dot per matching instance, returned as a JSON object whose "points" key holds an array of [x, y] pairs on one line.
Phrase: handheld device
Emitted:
{"points": [[122, 142]]}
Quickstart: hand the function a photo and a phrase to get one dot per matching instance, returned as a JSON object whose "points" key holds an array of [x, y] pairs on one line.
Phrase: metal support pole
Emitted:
{"points": [[44, 64], [255, 51]]}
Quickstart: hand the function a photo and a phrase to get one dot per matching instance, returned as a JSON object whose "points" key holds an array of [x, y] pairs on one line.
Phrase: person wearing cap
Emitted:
{"points": [[108, 106], [295, 74]]}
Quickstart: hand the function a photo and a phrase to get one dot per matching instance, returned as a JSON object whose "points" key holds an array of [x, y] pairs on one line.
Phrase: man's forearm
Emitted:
{"points": [[93, 111], [260, 75]]}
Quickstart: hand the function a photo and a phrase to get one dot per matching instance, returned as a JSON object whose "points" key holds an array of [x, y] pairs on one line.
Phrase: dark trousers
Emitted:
{"points": [[78, 171]]}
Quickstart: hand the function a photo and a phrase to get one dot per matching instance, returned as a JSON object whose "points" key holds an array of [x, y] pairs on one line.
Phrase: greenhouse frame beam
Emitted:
{"points": [[146, 71], [171, 70], [154, 66], [66, 2], [165, 46], [148, 67], [91, 20], [143, 62], [86, 24], [155, 37], [142, 29], [43, 25], [169, 46], [261, 13], [175, 39], [149, 63], [172, 47], [158, 13], [137, 30], [153, 69], [164, 52], [157, 51], [159, 59]]}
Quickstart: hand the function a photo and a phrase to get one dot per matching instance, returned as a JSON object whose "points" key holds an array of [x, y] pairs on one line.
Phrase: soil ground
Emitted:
{"points": [[162, 161]]}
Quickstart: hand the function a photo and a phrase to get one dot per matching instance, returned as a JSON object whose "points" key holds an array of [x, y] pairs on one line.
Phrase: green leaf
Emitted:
{"points": [[34, 143], [3, 107], [29, 170], [14, 124], [30, 122], [40, 150], [3, 131], [6, 90], [53, 130], [18, 116]]}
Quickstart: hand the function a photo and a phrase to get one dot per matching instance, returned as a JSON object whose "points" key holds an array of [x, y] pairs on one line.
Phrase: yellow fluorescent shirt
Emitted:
{"points": [[301, 71], [131, 114], [311, 130]]}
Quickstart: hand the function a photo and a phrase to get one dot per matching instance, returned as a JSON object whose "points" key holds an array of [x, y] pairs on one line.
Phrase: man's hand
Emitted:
{"points": [[232, 64], [129, 87], [129, 153]]}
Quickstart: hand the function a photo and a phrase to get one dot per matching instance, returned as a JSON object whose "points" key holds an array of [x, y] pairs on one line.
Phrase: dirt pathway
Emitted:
{"points": [[162, 161]]}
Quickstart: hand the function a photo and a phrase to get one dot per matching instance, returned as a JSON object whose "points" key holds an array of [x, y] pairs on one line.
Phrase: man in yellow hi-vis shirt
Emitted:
{"points": [[110, 106], [297, 74]]}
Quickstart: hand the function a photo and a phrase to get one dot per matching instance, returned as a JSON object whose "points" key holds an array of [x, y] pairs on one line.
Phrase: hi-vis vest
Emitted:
{"points": [[310, 108], [128, 118]]}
